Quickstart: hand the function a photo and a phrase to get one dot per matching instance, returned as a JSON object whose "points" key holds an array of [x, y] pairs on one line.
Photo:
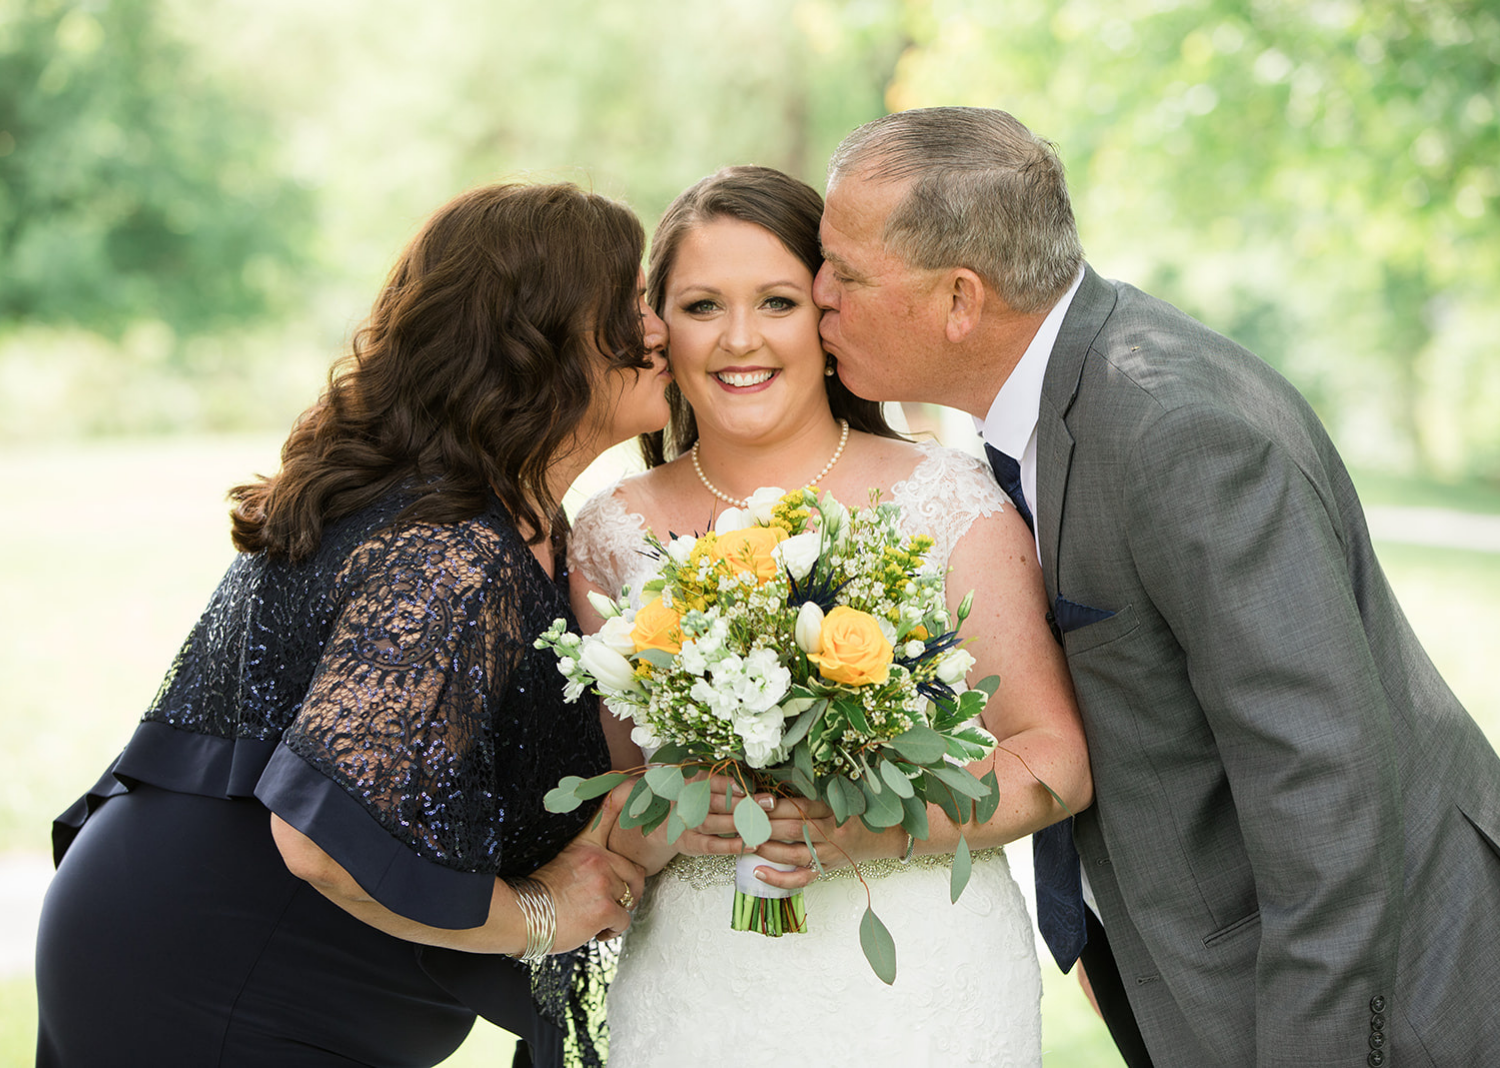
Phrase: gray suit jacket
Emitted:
{"points": [[1295, 842]]}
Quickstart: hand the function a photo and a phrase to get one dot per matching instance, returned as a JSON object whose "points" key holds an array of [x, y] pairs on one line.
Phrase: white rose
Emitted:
{"points": [[733, 519], [611, 670], [809, 628], [616, 634], [913, 650], [798, 553], [763, 502], [953, 667]]}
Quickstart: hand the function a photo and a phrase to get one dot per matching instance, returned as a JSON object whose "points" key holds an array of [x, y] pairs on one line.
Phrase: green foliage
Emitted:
{"points": [[131, 187], [1319, 181]]}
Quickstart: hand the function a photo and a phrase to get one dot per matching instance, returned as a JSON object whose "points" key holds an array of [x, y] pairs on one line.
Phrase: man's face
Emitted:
{"points": [[878, 314]]}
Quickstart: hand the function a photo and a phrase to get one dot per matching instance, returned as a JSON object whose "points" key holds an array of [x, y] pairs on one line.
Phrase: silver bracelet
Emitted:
{"points": [[541, 917]]}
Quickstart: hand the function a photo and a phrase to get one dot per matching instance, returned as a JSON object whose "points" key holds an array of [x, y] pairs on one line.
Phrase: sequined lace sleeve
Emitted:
{"points": [[401, 708], [943, 496]]}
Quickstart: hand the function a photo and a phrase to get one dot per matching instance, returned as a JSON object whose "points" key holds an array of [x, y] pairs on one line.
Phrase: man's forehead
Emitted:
{"points": [[857, 208]]}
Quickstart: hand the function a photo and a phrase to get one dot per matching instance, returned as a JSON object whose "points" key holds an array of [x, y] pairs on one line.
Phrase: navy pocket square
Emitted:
{"points": [[1069, 615]]}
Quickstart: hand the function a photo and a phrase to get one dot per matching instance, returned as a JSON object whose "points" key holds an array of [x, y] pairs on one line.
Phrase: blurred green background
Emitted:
{"points": [[198, 202]]}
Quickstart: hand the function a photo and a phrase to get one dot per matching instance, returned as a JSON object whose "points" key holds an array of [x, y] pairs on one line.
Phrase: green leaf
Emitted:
{"points": [[655, 657], [752, 823], [807, 841], [989, 684], [651, 813], [600, 785], [920, 745], [665, 781], [798, 730], [562, 798], [879, 946], [854, 712], [675, 826], [882, 807], [640, 801], [893, 777], [671, 753], [693, 802], [915, 823], [985, 807], [936, 791], [960, 779], [963, 864], [850, 798]]}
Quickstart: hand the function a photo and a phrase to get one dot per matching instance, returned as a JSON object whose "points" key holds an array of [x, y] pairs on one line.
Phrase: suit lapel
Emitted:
{"points": [[1091, 306]]}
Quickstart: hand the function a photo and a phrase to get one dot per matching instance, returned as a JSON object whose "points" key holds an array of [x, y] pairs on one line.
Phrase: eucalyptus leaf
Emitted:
{"points": [[640, 801], [960, 779], [882, 808], [752, 823], [807, 841], [936, 791], [805, 719], [675, 826], [963, 864], [665, 780], [671, 753], [895, 779], [879, 946], [920, 745], [853, 796], [600, 785], [562, 798], [985, 807], [650, 814], [915, 823], [693, 802], [989, 684], [655, 657]]}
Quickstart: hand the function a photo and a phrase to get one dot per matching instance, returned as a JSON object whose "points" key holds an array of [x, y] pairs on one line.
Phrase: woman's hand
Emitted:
{"points": [[594, 891]]}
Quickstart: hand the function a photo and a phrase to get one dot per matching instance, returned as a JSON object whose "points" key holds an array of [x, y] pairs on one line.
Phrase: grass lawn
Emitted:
{"points": [[110, 550]]}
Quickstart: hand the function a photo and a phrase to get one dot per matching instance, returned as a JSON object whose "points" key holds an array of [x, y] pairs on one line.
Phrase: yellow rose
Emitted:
{"points": [[854, 652], [657, 627], [749, 550]]}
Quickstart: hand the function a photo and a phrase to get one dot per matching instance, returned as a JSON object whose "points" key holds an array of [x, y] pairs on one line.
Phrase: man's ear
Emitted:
{"points": [[964, 292]]}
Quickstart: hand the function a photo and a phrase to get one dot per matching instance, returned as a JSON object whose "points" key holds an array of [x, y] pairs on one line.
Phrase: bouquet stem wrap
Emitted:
{"points": [[759, 906]]}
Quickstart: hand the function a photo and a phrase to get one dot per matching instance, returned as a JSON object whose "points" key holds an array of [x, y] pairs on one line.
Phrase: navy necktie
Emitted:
{"points": [[1059, 883]]}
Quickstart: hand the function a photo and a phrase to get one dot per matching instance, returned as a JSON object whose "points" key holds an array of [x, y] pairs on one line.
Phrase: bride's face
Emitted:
{"points": [[743, 332]]}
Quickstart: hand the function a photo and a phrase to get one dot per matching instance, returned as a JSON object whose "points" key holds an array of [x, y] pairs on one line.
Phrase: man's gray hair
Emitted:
{"points": [[986, 193]]}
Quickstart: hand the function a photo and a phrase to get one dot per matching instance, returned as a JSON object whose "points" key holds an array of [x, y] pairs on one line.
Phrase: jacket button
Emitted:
{"points": [[1377, 1039], [1375, 1059], [1377, 1022], [1377, 1003]]}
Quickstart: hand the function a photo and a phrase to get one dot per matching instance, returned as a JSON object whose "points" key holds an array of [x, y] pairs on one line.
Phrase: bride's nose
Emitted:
{"points": [[741, 333]]}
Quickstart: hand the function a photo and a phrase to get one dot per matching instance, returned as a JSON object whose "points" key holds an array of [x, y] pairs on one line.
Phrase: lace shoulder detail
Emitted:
{"points": [[607, 542], [944, 494]]}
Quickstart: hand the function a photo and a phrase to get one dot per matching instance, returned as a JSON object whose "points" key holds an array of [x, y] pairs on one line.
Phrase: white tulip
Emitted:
{"points": [[953, 667], [763, 502], [611, 670], [809, 628], [606, 608], [798, 553], [679, 549], [616, 634]]}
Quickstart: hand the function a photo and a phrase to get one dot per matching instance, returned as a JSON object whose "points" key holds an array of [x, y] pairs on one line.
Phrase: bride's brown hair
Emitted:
{"points": [[477, 363], [788, 209]]}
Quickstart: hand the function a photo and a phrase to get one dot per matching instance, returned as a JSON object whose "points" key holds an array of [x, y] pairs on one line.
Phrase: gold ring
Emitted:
{"points": [[627, 900]]}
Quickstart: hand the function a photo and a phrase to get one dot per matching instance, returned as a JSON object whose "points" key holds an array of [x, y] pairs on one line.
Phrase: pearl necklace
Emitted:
{"points": [[740, 502]]}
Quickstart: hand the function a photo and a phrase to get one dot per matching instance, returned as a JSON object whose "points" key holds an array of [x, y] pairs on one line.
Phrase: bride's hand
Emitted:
{"points": [[717, 834], [836, 847]]}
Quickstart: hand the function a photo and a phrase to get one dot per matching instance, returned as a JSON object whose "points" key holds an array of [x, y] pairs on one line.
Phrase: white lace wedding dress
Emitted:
{"points": [[693, 993]]}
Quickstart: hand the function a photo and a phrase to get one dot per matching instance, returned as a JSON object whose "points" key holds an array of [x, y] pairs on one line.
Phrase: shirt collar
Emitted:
{"points": [[1013, 414]]}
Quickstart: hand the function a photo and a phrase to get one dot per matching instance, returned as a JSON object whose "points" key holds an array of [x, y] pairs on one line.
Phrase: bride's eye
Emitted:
{"points": [[780, 303], [700, 307]]}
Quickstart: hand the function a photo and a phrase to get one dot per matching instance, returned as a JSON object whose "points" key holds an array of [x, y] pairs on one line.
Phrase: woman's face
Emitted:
{"points": [[631, 400], [744, 333]]}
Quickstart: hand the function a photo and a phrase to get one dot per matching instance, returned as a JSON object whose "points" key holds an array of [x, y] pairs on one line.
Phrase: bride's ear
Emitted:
{"points": [[965, 296]]}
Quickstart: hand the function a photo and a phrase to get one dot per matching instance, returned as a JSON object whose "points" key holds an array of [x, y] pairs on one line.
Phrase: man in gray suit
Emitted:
{"points": [[1294, 848]]}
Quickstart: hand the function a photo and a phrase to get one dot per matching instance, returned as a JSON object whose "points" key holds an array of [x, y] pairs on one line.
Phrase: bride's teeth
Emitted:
{"points": [[749, 378]]}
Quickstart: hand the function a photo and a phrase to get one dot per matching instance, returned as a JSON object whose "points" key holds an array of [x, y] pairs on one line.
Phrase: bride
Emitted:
{"points": [[731, 272]]}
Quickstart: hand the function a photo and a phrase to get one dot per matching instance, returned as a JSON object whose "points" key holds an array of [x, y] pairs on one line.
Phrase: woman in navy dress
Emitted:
{"points": [[325, 843]]}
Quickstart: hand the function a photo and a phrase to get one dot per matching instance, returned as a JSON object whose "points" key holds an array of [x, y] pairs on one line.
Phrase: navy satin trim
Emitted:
{"points": [[387, 869], [190, 763]]}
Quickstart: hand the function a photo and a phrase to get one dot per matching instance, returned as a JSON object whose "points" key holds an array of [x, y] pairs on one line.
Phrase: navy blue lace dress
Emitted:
{"points": [[384, 698]]}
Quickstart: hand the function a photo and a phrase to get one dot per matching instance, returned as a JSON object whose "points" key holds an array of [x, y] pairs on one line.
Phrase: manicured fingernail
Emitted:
{"points": [[767, 802]]}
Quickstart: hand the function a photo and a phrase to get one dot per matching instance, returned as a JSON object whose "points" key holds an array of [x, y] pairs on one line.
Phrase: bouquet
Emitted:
{"points": [[801, 648]]}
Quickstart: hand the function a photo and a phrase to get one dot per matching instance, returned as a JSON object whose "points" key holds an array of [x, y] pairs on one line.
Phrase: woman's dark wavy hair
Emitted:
{"points": [[478, 361], [789, 209]]}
